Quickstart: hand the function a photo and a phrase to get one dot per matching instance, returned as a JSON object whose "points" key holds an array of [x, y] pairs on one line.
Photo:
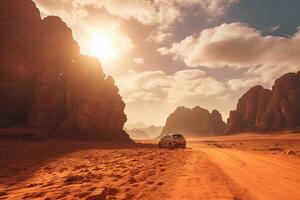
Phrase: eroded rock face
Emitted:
{"points": [[194, 122], [46, 83], [265, 110], [249, 108], [20, 23]]}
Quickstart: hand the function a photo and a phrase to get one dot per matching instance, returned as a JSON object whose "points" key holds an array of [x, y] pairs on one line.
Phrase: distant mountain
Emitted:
{"points": [[142, 131], [153, 131], [137, 134], [138, 125], [194, 122], [265, 110]]}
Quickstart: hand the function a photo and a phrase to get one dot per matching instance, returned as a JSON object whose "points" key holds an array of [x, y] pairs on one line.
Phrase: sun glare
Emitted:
{"points": [[103, 46]]}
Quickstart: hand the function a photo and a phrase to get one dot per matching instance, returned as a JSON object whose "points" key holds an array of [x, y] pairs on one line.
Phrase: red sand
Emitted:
{"points": [[232, 167]]}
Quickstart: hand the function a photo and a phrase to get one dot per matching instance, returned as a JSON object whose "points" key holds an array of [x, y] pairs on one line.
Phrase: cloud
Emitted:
{"points": [[169, 13], [235, 45], [236, 84], [271, 29], [71, 12], [224, 97], [142, 96], [160, 86], [160, 13], [238, 46], [142, 11], [139, 60], [212, 8]]}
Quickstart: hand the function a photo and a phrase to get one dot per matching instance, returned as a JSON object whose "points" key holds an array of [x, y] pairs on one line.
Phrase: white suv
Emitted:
{"points": [[172, 141]]}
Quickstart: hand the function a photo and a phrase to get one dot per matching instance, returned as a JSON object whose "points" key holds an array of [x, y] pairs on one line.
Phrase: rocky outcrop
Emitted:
{"points": [[249, 108], [216, 123], [46, 83], [194, 122], [268, 110]]}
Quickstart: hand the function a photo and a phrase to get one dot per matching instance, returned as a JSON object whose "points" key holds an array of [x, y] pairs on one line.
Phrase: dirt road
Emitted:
{"points": [[263, 176], [215, 173]]}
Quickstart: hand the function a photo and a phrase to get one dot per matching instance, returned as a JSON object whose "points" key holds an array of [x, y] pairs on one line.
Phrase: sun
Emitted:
{"points": [[103, 46]]}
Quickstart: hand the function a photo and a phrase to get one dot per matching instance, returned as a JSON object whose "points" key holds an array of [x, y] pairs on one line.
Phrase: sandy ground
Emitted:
{"points": [[232, 167]]}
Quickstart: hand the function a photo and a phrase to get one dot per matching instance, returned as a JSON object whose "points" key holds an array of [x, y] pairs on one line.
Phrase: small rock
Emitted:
{"points": [[73, 178], [98, 194], [290, 152]]}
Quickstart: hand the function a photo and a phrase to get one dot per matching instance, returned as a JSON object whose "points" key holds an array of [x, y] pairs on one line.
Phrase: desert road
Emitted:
{"points": [[211, 173], [74, 170]]}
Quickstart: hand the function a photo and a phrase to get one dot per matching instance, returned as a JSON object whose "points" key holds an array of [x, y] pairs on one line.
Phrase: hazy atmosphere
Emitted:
{"points": [[149, 99], [163, 54]]}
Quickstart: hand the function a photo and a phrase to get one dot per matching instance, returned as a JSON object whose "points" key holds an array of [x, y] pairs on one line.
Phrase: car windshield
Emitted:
{"points": [[177, 136]]}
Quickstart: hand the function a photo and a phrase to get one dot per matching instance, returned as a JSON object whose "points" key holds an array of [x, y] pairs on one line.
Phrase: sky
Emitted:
{"points": [[168, 53]]}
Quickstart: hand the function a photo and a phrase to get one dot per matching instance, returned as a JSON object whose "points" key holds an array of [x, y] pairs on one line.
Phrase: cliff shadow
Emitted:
{"points": [[23, 153]]}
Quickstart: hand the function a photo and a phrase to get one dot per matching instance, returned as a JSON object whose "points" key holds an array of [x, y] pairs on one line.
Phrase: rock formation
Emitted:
{"points": [[268, 110], [194, 122], [137, 134], [46, 83], [143, 131]]}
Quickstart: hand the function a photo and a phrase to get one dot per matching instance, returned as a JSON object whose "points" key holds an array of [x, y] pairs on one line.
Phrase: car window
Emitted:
{"points": [[177, 136]]}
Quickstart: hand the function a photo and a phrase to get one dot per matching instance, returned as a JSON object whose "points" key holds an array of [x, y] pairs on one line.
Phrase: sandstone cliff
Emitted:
{"points": [[194, 122], [46, 83], [268, 110]]}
